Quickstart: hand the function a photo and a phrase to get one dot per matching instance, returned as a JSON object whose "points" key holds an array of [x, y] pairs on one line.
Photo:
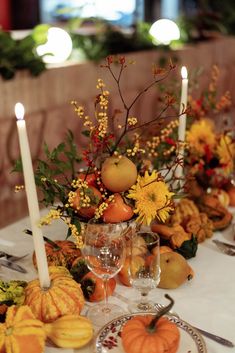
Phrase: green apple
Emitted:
{"points": [[118, 173]]}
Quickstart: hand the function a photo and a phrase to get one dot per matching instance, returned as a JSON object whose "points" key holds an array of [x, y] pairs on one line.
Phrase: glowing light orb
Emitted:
{"points": [[59, 44], [164, 31]]}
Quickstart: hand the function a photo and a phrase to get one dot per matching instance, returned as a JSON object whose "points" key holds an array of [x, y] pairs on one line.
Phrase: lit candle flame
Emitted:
{"points": [[19, 111], [184, 72]]}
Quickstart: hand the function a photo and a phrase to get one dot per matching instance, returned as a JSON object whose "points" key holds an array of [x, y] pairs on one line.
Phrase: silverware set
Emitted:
{"points": [[9, 261]]}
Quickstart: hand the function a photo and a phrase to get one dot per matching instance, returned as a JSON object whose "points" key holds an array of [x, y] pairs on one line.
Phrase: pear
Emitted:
{"points": [[174, 270]]}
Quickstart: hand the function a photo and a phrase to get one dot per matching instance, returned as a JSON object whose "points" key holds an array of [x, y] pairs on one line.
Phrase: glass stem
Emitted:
{"points": [[144, 304], [106, 291]]}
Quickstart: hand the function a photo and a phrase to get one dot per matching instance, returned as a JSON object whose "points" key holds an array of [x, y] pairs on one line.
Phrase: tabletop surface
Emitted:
{"points": [[207, 301]]}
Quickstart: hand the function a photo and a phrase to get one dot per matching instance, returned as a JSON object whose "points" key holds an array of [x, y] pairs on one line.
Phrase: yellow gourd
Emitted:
{"points": [[62, 298], [70, 331], [21, 332]]}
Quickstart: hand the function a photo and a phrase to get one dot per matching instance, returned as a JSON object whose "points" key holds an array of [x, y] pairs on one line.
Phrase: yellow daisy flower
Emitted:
{"points": [[226, 153], [201, 134], [152, 198]]}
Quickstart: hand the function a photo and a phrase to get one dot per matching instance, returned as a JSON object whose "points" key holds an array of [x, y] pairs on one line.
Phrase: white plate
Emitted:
{"points": [[109, 340]]}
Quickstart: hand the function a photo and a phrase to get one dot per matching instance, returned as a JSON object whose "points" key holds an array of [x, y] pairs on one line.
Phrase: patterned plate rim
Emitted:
{"points": [[195, 334]]}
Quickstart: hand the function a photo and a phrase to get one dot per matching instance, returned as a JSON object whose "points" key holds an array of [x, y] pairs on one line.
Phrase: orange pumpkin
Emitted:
{"points": [[60, 253], [21, 332], [146, 333], [63, 297]]}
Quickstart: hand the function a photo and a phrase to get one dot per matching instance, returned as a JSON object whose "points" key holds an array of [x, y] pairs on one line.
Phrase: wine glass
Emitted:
{"points": [[104, 250], [144, 267]]}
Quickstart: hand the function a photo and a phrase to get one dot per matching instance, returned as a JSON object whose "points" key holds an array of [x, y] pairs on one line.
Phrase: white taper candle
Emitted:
{"points": [[182, 119], [31, 193]]}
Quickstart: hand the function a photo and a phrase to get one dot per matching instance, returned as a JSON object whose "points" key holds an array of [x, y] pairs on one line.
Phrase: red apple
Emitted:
{"points": [[117, 211], [87, 212], [118, 173]]}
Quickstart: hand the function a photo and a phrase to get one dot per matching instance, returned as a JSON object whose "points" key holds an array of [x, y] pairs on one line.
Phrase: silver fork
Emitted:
{"points": [[11, 257], [210, 335]]}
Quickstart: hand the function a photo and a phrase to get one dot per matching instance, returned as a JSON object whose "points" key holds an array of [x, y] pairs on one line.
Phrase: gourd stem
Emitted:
{"points": [[163, 311], [49, 241]]}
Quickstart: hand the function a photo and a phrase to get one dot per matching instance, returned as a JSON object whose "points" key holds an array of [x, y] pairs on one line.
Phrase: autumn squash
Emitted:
{"points": [[149, 334], [219, 215], [64, 296], [60, 253], [201, 226], [21, 332], [70, 331]]}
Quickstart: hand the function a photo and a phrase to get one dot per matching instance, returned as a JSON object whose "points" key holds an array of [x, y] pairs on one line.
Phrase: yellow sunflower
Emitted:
{"points": [[152, 198], [200, 135], [226, 153]]}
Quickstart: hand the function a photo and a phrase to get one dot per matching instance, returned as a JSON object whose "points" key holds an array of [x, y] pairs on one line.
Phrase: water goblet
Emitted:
{"points": [[104, 250], [144, 267]]}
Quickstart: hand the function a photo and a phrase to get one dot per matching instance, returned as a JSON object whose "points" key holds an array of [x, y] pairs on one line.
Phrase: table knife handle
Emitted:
{"points": [[216, 338]]}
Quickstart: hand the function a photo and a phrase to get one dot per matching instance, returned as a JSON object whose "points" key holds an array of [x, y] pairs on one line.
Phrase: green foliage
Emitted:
{"points": [[109, 41], [62, 162], [189, 248], [18, 55]]}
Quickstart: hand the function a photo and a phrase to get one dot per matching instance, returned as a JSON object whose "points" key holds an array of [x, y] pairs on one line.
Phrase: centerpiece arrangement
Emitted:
{"points": [[111, 179]]}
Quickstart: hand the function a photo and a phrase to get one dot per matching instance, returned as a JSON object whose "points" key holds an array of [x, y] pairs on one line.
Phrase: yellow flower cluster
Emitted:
{"points": [[131, 152], [84, 200], [201, 134], [225, 102], [132, 121], [74, 232], [226, 153], [51, 216], [19, 188], [103, 206]]}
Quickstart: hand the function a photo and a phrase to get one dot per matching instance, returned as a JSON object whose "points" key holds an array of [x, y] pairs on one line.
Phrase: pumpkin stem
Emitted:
{"points": [[49, 241], [163, 311]]}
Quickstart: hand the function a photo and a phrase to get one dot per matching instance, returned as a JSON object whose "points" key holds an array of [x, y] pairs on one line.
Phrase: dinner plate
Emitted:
{"points": [[109, 337]]}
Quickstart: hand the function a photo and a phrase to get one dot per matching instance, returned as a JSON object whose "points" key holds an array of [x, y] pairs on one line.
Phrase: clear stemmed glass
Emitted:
{"points": [[144, 269], [104, 250]]}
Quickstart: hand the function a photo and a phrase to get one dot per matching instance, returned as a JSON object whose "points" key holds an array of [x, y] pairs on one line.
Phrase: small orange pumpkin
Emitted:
{"points": [[21, 332], [146, 333], [60, 253], [63, 297]]}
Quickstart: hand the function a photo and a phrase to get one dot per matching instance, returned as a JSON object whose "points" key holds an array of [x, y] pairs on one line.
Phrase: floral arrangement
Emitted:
{"points": [[209, 154], [118, 181]]}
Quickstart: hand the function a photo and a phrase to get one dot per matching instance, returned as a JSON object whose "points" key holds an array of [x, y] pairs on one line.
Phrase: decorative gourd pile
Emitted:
{"points": [[22, 332]]}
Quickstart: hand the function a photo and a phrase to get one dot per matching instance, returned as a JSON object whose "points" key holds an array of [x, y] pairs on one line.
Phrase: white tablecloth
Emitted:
{"points": [[207, 301]]}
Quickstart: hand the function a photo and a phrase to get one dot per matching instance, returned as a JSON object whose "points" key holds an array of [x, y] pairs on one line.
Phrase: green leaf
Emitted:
{"points": [[18, 167], [86, 133], [39, 33], [188, 248]]}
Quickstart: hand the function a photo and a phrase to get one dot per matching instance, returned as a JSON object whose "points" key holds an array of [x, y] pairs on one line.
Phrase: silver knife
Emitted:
{"points": [[12, 266], [219, 242]]}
